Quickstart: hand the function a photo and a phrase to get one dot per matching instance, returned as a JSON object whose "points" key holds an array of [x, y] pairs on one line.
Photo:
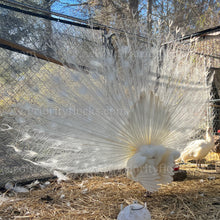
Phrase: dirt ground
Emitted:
{"points": [[100, 197]]}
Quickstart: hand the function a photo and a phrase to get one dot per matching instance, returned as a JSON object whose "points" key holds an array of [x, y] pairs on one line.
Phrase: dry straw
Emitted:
{"points": [[100, 197]]}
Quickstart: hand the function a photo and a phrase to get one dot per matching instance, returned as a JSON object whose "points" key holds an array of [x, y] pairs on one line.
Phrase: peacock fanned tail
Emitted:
{"points": [[98, 120]]}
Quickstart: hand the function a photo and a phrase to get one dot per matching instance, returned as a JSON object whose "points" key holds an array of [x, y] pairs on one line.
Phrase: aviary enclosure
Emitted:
{"points": [[57, 69]]}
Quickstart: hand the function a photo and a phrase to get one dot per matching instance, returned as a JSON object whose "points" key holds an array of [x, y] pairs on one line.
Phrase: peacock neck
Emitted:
{"points": [[209, 137]]}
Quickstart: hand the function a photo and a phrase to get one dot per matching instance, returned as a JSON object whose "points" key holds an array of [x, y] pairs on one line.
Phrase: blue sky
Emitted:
{"points": [[60, 7]]}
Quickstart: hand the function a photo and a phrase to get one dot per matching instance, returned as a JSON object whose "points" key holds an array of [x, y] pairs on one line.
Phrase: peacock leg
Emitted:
{"points": [[148, 194]]}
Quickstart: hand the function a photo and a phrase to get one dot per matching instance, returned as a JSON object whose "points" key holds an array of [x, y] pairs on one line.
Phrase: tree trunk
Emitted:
{"points": [[149, 15], [48, 31], [133, 7]]}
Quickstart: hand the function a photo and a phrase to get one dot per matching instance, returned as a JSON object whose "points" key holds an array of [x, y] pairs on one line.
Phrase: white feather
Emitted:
{"points": [[18, 189], [5, 127], [60, 176]]}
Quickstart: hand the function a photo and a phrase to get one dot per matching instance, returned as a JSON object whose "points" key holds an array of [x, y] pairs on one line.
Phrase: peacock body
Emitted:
{"points": [[129, 111]]}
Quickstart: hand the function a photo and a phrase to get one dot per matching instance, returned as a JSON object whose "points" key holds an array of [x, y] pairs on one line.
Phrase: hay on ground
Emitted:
{"points": [[100, 197]]}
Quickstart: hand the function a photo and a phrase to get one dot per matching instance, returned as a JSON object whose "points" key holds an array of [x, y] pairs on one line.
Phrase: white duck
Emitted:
{"points": [[198, 149]]}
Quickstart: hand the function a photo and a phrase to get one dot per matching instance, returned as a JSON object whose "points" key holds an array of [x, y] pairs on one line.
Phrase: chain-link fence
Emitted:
{"points": [[34, 42], [30, 40], [206, 46]]}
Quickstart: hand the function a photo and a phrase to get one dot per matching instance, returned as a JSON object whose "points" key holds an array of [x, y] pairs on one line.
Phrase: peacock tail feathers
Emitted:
{"points": [[96, 119]]}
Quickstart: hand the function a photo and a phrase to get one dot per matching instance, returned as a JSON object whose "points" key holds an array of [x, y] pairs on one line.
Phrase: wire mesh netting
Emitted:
{"points": [[54, 41], [31, 45]]}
